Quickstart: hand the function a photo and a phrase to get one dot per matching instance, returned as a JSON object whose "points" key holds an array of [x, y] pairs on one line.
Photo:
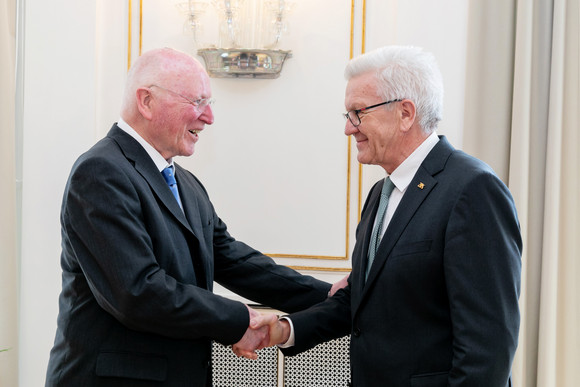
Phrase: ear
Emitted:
{"points": [[144, 102], [408, 113]]}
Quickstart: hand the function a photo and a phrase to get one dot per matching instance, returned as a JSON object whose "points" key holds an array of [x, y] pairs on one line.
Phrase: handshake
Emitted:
{"points": [[265, 330]]}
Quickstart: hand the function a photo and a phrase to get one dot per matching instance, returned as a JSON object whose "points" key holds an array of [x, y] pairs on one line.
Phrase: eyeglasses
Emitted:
{"points": [[199, 103], [353, 116]]}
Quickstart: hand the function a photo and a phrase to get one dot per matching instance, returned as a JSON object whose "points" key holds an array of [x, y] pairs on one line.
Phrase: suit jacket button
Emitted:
{"points": [[356, 332]]}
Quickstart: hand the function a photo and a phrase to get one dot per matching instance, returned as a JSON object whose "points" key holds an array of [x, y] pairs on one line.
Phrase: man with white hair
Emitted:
{"points": [[432, 299]]}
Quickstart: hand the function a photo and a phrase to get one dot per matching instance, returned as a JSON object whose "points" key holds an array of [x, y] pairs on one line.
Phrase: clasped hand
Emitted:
{"points": [[265, 330]]}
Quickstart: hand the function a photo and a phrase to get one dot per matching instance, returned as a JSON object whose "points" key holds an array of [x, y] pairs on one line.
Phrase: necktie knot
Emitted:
{"points": [[169, 176], [388, 187]]}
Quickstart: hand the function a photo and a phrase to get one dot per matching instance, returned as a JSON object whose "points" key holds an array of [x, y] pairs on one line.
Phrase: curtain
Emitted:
{"points": [[558, 335], [489, 72], [8, 189], [539, 148]]}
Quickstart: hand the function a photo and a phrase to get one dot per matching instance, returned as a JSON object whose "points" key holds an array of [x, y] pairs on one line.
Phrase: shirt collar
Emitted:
{"points": [[402, 176], [159, 161]]}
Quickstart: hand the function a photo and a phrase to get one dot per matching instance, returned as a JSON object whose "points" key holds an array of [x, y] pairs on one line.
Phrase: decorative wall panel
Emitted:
{"points": [[326, 365], [231, 371]]}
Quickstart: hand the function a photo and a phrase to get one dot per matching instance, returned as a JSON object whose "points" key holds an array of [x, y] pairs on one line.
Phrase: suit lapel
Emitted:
{"points": [[189, 198], [190, 191], [366, 227], [146, 168], [417, 192], [408, 206], [143, 164]]}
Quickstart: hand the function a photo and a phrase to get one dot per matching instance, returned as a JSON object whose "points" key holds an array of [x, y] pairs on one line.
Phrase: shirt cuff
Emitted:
{"points": [[291, 338]]}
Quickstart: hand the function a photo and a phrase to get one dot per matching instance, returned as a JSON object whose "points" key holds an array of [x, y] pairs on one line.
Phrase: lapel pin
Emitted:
{"points": [[421, 185]]}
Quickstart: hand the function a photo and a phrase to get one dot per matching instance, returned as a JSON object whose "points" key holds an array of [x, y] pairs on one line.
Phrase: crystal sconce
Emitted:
{"points": [[247, 40]]}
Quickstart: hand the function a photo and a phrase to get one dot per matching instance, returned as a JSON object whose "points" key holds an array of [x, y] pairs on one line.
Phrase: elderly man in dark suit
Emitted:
{"points": [[142, 246], [432, 299]]}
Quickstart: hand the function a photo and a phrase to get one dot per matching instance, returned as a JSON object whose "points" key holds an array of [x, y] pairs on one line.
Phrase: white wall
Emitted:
{"points": [[284, 133], [58, 123]]}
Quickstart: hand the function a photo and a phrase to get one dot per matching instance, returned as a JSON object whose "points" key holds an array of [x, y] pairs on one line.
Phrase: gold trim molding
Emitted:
{"points": [[130, 30], [326, 269]]}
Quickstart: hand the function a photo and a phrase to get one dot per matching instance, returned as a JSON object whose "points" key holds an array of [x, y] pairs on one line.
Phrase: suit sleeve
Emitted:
{"points": [[482, 264], [258, 278], [323, 322]]}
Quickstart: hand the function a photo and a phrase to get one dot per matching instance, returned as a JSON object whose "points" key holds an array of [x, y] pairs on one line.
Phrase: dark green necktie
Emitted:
{"points": [[376, 235]]}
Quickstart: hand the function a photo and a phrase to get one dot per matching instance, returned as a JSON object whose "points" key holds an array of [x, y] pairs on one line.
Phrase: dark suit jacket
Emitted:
{"points": [[440, 307], [136, 307]]}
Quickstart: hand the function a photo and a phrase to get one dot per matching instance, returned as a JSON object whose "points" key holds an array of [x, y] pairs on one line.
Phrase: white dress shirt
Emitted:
{"points": [[159, 161], [402, 176]]}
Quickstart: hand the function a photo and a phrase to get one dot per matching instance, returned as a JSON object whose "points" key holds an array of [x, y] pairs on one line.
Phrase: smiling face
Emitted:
{"points": [[380, 135], [175, 121], [161, 102]]}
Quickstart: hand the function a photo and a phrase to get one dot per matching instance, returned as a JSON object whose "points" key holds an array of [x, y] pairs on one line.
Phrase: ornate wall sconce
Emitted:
{"points": [[247, 38]]}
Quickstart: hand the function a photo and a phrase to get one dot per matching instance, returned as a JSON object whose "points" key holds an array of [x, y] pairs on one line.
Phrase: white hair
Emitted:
{"points": [[405, 72]]}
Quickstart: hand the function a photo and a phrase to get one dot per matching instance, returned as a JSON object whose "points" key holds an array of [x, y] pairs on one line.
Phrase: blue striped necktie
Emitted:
{"points": [[376, 235], [172, 183]]}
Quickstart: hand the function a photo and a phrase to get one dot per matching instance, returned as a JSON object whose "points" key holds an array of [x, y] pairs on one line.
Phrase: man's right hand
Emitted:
{"points": [[279, 329], [278, 332]]}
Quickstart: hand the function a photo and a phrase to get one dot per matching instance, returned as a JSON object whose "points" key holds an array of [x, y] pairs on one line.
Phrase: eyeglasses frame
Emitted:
{"points": [[199, 103], [357, 111]]}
